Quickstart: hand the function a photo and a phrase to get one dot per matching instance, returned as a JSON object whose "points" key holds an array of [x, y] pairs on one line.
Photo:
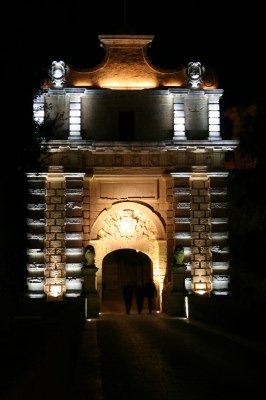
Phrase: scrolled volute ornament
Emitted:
{"points": [[58, 72], [195, 72]]}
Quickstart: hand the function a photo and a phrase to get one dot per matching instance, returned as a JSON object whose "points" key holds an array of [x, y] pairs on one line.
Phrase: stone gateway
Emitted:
{"points": [[138, 164]]}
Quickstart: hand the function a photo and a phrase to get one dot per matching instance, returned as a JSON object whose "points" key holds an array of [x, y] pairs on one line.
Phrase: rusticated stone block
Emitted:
{"points": [[195, 250], [56, 199], [60, 250], [56, 243], [50, 221], [56, 184], [50, 236], [60, 192], [194, 206], [50, 207], [50, 250], [204, 220], [195, 221], [170, 228], [198, 184], [199, 214], [60, 236], [199, 271], [198, 199], [47, 258], [205, 250], [86, 214], [50, 192], [204, 206], [206, 264], [86, 199], [199, 243], [56, 273], [204, 235], [56, 228], [60, 266], [195, 264], [207, 184], [200, 257], [56, 214], [195, 235], [60, 221], [204, 192], [60, 206], [56, 259], [55, 281], [49, 266], [199, 228], [194, 192], [207, 198]]}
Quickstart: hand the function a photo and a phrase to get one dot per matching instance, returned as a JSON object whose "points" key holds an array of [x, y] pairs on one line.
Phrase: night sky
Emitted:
{"points": [[228, 37]]}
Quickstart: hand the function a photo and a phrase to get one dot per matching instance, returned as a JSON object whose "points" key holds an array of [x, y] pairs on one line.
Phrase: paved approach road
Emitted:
{"points": [[158, 357]]}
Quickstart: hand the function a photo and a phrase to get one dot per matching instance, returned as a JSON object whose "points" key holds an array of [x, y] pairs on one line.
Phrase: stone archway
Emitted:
{"points": [[135, 226]]}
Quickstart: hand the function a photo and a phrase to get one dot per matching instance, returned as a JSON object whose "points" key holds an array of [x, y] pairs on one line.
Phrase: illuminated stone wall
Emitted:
{"points": [[201, 270], [55, 237]]}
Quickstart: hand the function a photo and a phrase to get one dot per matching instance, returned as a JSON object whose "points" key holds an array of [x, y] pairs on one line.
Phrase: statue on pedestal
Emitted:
{"points": [[89, 256]]}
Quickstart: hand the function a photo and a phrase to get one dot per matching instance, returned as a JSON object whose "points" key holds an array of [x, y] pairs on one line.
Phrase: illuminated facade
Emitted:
{"points": [[138, 164]]}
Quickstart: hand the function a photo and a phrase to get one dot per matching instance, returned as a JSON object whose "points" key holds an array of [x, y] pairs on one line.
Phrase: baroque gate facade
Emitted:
{"points": [[139, 163]]}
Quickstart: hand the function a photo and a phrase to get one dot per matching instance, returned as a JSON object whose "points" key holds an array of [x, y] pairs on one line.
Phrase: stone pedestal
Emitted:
{"points": [[178, 292], [92, 305]]}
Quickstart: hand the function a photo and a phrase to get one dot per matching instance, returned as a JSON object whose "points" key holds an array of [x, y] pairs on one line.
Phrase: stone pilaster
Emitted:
{"points": [[214, 113], [201, 270], [75, 117], [55, 237]]}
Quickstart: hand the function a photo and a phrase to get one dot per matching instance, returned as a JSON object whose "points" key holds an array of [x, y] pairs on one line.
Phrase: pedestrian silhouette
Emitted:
{"points": [[151, 292], [128, 295], [140, 294]]}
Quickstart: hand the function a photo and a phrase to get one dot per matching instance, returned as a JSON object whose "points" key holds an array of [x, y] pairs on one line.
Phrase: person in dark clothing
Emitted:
{"points": [[140, 294], [128, 295], [151, 291]]}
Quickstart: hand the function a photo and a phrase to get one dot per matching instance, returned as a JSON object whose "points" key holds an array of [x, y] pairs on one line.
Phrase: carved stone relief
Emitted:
{"points": [[127, 225]]}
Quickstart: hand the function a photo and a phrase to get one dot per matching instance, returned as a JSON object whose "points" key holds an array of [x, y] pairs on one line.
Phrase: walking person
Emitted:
{"points": [[140, 294], [128, 296], [151, 292]]}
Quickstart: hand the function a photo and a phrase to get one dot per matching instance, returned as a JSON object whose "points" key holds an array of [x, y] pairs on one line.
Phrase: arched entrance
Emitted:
{"points": [[129, 225], [119, 267]]}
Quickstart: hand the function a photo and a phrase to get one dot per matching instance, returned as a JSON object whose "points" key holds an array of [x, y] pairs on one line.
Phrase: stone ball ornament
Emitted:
{"points": [[58, 72]]}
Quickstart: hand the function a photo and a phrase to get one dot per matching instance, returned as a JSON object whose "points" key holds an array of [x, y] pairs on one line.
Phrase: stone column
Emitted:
{"points": [[55, 237], [201, 270]]}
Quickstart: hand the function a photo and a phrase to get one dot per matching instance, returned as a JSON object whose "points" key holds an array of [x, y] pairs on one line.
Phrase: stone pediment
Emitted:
{"points": [[126, 66]]}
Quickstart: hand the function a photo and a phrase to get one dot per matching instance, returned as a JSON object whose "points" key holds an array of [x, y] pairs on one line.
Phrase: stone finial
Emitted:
{"points": [[195, 73], [58, 73]]}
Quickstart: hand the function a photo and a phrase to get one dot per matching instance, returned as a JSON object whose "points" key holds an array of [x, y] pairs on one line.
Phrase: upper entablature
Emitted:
{"points": [[126, 66]]}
